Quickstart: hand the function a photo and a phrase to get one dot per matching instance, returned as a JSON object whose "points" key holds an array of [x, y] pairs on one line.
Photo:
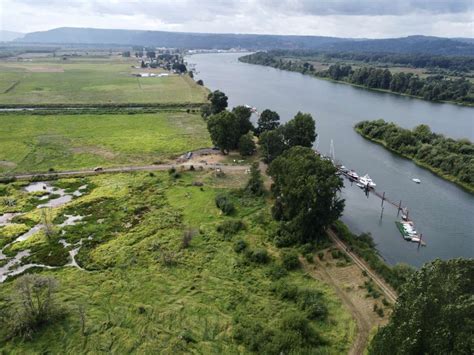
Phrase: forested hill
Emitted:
{"points": [[431, 45]]}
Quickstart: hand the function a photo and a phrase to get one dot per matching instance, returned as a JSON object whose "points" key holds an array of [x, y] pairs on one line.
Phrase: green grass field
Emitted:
{"points": [[34, 143], [136, 302], [91, 81]]}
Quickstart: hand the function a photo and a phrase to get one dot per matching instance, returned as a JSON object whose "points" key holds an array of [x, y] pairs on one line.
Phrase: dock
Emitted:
{"points": [[348, 174]]}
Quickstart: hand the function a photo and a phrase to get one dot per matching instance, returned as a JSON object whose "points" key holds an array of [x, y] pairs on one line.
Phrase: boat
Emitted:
{"points": [[406, 234], [418, 181], [353, 175], [360, 185], [252, 109], [367, 181]]}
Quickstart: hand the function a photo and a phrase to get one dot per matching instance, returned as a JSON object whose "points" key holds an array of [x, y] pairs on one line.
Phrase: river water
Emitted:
{"points": [[442, 212]]}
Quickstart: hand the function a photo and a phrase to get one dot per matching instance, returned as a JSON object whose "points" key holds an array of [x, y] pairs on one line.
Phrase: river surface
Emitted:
{"points": [[442, 212]]}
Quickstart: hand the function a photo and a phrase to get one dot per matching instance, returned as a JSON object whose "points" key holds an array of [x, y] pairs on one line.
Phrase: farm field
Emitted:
{"points": [[36, 143], [142, 290], [91, 80]]}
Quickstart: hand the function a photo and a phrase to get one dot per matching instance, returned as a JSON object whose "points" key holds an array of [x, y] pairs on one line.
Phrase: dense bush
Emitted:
{"points": [[291, 334], [309, 301], [240, 246], [229, 228], [259, 256], [224, 204], [33, 306], [289, 260]]}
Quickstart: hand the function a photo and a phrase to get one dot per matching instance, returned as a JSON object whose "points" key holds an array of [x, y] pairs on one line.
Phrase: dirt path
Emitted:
{"points": [[387, 290], [364, 323], [348, 284], [160, 167], [347, 281]]}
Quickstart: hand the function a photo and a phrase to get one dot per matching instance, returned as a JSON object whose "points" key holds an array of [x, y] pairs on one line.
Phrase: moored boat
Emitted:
{"points": [[367, 181], [353, 175]]}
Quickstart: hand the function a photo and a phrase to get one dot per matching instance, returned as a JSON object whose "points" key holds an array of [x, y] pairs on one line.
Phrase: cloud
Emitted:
{"points": [[343, 18], [371, 7]]}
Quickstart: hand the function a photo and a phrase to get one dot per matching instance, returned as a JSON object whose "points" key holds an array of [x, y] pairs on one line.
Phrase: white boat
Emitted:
{"points": [[418, 181], [360, 185], [367, 181], [416, 239], [353, 175]]}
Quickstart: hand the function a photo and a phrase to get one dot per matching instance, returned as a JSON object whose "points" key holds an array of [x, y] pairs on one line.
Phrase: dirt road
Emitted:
{"points": [[160, 167], [386, 289]]}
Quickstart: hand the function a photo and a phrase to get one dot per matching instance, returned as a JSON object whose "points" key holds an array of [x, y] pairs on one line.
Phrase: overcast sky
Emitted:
{"points": [[340, 18]]}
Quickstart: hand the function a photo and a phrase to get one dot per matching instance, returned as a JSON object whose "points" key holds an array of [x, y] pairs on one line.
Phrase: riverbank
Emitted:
{"points": [[436, 171], [464, 104]]}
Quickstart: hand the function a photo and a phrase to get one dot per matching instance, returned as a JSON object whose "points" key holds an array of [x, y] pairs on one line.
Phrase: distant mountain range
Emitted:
{"points": [[411, 44], [6, 36]]}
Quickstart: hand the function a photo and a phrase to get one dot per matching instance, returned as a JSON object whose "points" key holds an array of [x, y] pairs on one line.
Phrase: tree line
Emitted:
{"points": [[454, 158], [462, 64], [432, 88]]}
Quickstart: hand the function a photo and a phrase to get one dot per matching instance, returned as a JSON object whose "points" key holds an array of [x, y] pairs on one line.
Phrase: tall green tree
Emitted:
{"points": [[224, 129], [306, 190], [301, 130], [268, 121], [434, 313], [218, 101], [255, 183], [246, 144], [243, 115], [272, 144]]}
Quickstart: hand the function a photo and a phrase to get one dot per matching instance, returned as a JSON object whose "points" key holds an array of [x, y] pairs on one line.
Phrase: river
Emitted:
{"points": [[442, 212]]}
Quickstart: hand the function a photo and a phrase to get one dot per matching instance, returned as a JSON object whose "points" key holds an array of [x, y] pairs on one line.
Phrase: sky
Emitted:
{"points": [[338, 18]]}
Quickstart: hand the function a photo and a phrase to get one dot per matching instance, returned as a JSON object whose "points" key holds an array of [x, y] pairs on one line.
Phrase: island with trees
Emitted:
{"points": [[443, 79], [449, 158]]}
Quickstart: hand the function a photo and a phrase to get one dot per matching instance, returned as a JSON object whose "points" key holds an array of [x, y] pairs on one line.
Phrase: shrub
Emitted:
{"points": [[289, 260], [312, 303], [167, 258], [259, 256], [285, 291], [188, 235], [34, 305], [230, 227], [255, 183], [276, 272], [224, 204], [309, 257], [240, 246], [187, 336]]}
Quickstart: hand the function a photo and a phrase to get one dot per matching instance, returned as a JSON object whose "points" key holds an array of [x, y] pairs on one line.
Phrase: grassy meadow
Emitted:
{"points": [[83, 80], [36, 143], [143, 292]]}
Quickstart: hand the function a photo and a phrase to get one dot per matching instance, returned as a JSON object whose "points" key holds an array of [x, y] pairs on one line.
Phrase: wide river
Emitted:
{"points": [[442, 212]]}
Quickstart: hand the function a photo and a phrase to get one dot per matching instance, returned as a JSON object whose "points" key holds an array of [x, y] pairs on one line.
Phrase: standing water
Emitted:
{"points": [[441, 210]]}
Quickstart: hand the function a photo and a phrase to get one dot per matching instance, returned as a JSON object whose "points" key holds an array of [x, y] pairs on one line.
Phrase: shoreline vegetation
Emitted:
{"points": [[434, 88], [454, 158]]}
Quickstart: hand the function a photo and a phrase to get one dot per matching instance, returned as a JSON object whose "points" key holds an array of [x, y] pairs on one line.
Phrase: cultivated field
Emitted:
{"points": [[33, 143], [91, 81], [140, 290]]}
